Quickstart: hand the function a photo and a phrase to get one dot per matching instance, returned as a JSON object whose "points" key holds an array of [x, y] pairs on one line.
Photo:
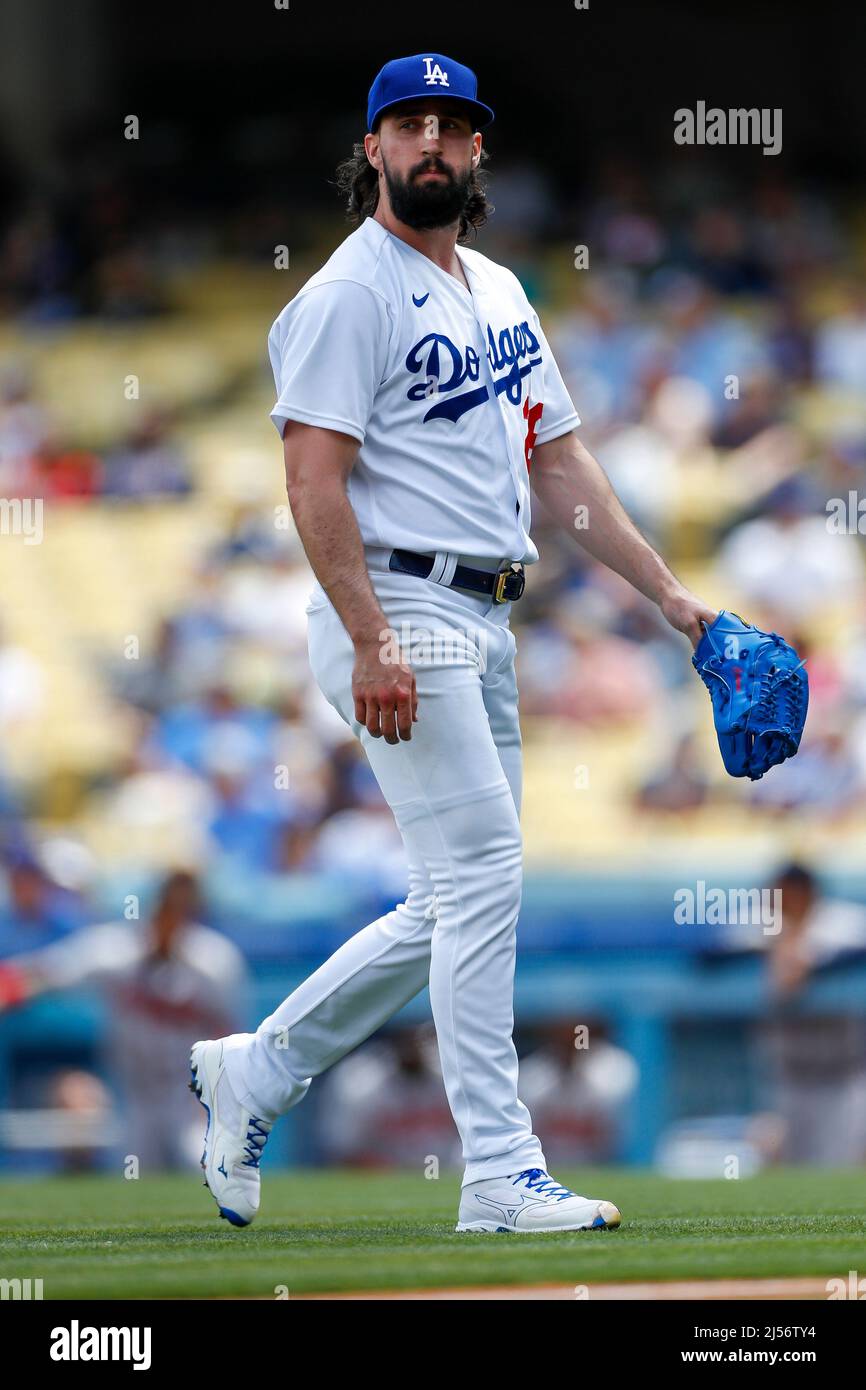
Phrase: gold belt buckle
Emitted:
{"points": [[512, 571]]}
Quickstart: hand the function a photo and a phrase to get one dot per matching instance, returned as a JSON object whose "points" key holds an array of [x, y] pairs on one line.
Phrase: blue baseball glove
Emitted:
{"points": [[759, 690]]}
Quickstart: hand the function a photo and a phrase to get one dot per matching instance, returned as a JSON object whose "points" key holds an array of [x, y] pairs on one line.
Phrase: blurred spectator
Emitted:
{"points": [[60, 472], [788, 561], [62, 1120], [721, 253], [85, 1103], [680, 787], [816, 1060], [790, 337], [794, 230], [709, 343], [167, 982], [578, 1096], [24, 428], [622, 219], [187, 733], [644, 460], [363, 845], [296, 847], [524, 203], [37, 263], [125, 284], [249, 534], [605, 350], [642, 622], [573, 668], [385, 1106], [148, 794], [34, 910], [21, 686], [200, 630], [758, 406], [268, 601], [163, 674], [149, 464], [840, 344], [252, 807], [825, 778]]}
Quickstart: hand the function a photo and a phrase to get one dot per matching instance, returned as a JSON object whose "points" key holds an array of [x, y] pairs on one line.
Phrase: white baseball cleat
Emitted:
{"points": [[234, 1138], [531, 1202]]}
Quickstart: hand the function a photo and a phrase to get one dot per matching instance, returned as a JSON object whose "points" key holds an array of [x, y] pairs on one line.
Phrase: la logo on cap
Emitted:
{"points": [[434, 74]]}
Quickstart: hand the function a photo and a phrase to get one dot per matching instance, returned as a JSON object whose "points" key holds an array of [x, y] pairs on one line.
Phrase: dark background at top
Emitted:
{"points": [[233, 97]]}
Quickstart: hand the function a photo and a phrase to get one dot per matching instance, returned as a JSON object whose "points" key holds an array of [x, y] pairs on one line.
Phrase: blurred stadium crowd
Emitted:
{"points": [[156, 707]]}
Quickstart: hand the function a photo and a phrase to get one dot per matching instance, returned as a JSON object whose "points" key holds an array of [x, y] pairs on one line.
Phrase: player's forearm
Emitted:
{"points": [[332, 541], [575, 490]]}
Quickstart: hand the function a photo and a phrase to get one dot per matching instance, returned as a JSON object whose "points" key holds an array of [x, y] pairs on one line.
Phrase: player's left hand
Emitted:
{"points": [[686, 612]]}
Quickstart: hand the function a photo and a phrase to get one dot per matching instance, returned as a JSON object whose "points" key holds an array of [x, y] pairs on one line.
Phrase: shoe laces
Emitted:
{"points": [[780, 697], [542, 1183], [257, 1136]]}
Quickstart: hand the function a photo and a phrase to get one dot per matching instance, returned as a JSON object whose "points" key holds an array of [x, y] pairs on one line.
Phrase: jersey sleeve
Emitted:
{"points": [[559, 415], [88, 956], [329, 351]]}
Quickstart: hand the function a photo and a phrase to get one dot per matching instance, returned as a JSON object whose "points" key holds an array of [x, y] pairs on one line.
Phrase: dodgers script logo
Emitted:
{"points": [[511, 355]]}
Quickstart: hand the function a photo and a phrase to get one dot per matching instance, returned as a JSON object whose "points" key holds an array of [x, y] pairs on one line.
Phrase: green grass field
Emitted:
{"points": [[98, 1237]]}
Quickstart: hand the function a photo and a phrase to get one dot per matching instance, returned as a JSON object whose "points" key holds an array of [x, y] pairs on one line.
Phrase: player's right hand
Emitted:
{"points": [[383, 688]]}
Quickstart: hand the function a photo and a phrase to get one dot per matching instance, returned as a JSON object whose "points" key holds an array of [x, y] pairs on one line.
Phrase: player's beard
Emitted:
{"points": [[427, 205]]}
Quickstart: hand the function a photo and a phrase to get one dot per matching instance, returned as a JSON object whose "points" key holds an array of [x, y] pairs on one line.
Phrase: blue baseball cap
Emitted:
{"points": [[425, 75]]}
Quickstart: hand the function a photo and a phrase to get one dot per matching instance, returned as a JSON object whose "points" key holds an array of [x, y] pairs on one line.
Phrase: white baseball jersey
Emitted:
{"points": [[446, 392]]}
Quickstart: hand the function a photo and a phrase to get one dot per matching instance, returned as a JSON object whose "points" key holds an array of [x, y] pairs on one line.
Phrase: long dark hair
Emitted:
{"points": [[358, 182]]}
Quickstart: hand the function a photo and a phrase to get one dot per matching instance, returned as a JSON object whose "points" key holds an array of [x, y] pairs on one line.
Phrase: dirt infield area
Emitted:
{"points": [[687, 1290]]}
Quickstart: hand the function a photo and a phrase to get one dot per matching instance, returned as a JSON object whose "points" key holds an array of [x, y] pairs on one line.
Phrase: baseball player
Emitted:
{"points": [[416, 396], [160, 978]]}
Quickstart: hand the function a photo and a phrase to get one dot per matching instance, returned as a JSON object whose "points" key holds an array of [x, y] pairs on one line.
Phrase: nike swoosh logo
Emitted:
{"points": [[423, 300]]}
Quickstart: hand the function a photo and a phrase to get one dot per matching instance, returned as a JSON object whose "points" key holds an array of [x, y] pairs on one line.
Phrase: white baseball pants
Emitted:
{"points": [[455, 790]]}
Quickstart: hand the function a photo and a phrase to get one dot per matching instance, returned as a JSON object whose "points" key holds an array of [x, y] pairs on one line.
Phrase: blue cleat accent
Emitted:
{"points": [[531, 1202], [232, 1217], [234, 1180]]}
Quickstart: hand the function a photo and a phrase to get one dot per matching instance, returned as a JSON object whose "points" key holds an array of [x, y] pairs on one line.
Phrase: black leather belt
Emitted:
{"points": [[504, 585]]}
